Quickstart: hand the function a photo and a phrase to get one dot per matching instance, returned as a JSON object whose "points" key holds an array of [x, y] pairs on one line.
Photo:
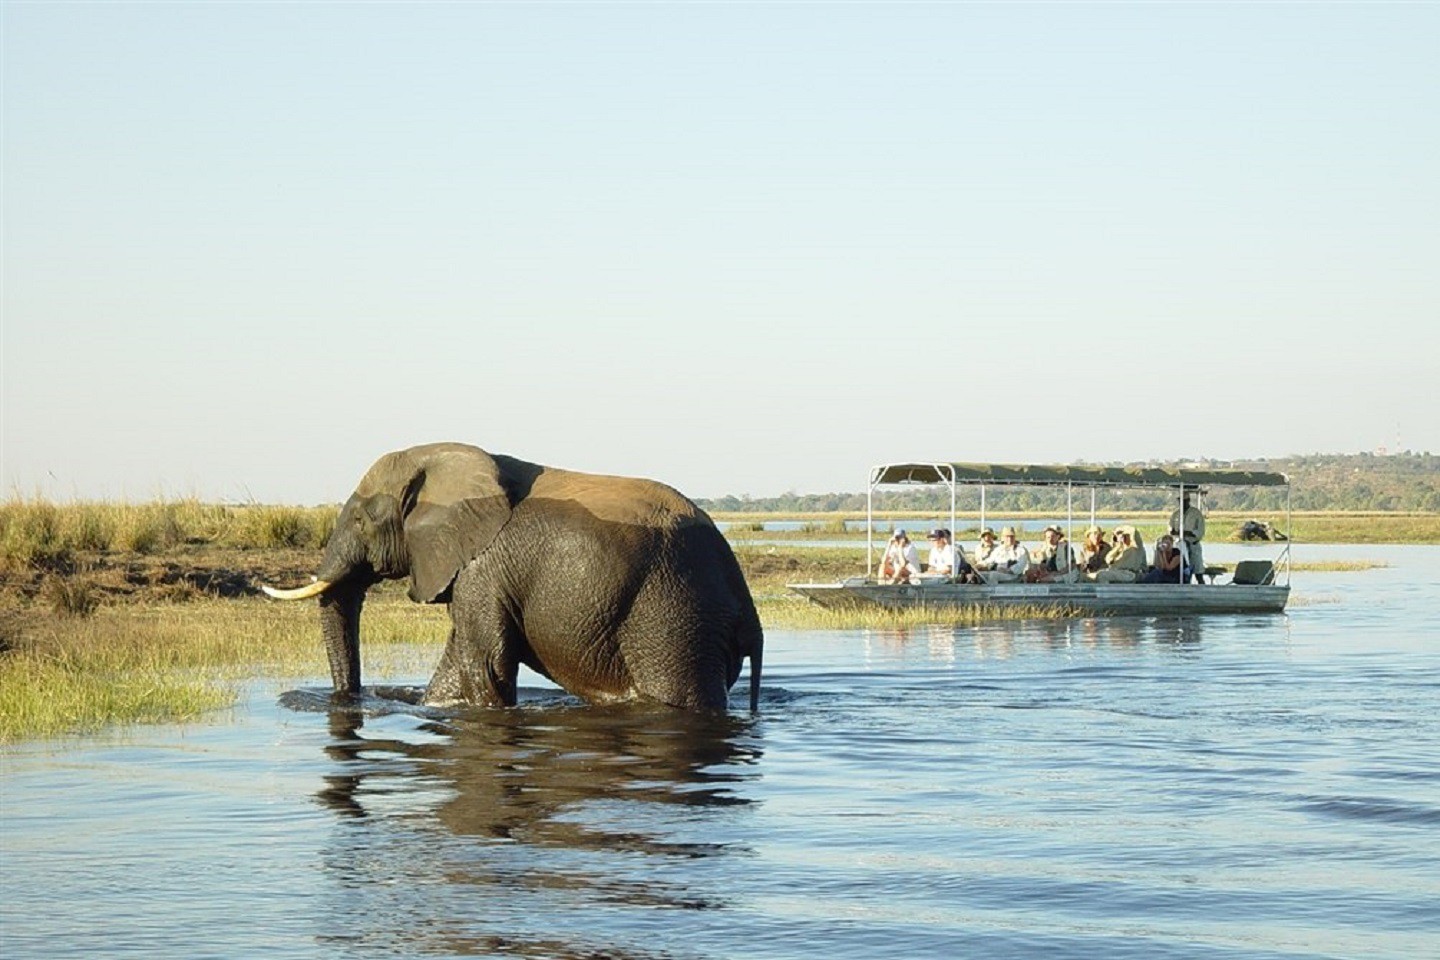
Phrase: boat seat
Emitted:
{"points": [[1214, 570], [1254, 572]]}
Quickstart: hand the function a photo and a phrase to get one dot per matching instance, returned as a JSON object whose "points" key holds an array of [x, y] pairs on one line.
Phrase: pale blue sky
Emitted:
{"points": [[739, 247]]}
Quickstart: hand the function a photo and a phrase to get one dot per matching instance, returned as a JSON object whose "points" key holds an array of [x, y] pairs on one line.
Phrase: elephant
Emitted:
{"points": [[1257, 530], [616, 588]]}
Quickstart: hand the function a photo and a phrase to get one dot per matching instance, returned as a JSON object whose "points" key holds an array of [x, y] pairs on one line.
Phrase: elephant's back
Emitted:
{"points": [[630, 501]]}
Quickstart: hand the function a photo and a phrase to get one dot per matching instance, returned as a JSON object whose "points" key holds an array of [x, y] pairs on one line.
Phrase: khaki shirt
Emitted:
{"points": [[1194, 523], [1057, 559], [1126, 558]]}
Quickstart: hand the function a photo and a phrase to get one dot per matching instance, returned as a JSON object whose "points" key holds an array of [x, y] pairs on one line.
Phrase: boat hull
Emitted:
{"points": [[1081, 599]]}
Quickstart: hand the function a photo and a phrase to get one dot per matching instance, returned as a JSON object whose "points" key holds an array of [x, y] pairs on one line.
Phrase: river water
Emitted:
{"points": [[1256, 787]]}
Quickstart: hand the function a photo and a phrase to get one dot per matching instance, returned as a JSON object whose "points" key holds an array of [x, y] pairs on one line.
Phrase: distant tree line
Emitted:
{"points": [[1362, 481]]}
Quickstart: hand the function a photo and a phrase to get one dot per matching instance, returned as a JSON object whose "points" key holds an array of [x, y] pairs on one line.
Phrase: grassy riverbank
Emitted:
{"points": [[150, 613], [152, 659]]}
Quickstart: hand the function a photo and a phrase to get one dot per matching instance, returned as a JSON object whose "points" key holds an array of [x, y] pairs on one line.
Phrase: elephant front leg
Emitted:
{"points": [[475, 669]]}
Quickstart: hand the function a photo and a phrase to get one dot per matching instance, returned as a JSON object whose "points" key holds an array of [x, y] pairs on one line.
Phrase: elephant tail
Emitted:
{"points": [[757, 654]]}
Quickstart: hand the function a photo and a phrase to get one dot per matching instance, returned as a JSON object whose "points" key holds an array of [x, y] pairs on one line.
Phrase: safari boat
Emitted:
{"points": [[1254, 585]]}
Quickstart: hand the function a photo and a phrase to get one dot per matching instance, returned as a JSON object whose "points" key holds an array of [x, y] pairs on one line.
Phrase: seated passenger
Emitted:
{"points": [[985, 552], [1092, 552], [1054, 562], [947, 559], [1169, 565], [901, 562], [1125, 563], [1010, 558], [942, 554]]}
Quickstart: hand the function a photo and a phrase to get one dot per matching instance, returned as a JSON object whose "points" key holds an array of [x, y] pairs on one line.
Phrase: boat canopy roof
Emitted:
{"points": [[1062, 475]]}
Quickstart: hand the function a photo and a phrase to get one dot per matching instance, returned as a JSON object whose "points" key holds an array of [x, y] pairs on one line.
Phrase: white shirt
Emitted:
{"points": [[1011, 559], [896, 555], [942, 558]]}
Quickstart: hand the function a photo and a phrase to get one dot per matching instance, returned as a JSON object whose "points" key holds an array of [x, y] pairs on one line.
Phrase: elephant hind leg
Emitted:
{"points": [[707, 692], [679, 664]]}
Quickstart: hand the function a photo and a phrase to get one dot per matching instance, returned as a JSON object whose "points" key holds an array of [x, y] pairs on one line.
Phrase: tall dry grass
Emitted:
{"points": [[36, 532]]}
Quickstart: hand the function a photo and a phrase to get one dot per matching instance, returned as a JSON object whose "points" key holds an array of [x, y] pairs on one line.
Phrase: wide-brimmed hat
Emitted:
{"points": [[987, 532], [1009, 532], [1090, 531]]}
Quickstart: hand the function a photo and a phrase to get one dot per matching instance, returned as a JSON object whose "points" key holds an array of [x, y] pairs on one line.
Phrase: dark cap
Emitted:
{"points": [[939, 533]]}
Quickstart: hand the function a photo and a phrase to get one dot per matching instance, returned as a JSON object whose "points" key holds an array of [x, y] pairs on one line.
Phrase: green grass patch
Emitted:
{"points": [[768, 568], [801, 614], [172, 662]]}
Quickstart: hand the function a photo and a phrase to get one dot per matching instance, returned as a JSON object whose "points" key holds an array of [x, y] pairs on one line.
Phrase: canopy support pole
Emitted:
{"points": [[870, 525]]}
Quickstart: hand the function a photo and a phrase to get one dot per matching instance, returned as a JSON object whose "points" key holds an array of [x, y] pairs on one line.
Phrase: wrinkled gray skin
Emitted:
{"points": [[615, 588]]}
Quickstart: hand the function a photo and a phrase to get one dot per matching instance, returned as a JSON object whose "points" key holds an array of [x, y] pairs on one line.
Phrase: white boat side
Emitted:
{"points": [[1267, 593], [1081, 599]]}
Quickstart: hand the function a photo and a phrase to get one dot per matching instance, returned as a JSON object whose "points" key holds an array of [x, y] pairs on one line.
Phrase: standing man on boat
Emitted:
{"points": [[1188, 522]]}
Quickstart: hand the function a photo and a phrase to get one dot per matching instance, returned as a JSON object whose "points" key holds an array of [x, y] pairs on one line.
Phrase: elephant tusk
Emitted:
{"points": [[298, 593]]}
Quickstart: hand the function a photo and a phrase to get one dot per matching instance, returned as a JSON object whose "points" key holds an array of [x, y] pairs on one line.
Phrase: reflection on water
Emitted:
{"points": [[514, 774], [513, 808], [1001, 640]]}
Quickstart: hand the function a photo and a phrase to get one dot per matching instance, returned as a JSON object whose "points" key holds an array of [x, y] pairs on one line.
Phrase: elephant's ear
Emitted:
{"points": [[454, 507]]}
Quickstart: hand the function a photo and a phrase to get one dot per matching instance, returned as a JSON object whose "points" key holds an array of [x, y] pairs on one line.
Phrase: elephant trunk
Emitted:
{"points": [[340, 630]]}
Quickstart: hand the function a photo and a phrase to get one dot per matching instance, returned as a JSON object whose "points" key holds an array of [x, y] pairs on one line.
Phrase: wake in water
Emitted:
{"points": [[379, 701]]}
